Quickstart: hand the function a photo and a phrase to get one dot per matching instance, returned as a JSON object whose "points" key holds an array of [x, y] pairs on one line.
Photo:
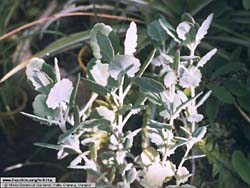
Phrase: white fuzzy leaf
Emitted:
{"points": [[156, 173], [131, 39], [182, 175], [100, 73], [182, 29], [35, 75], [170, 78], [149, 155], [203, 99], [204, 28], [106, 113], [155, 138], [206, 58], [60, 93], [190, 78], [124, 64], [195, 118]]}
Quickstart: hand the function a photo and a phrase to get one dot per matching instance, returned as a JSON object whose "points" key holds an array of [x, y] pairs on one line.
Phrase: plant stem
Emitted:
{"points": [[184, 157], [193, 123], [121, 98], [172, 117], [87, 106]]}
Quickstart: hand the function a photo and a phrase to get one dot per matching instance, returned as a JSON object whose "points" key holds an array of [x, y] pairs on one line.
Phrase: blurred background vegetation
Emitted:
{"points": [[61, 28]]}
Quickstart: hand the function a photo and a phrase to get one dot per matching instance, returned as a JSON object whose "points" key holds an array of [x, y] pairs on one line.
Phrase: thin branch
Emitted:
{"points": [[61, 15], [246, 117]]}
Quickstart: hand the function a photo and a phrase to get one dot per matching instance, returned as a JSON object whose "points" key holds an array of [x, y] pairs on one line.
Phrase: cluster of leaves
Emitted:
{"points": [[227, 76], [111, 75], [230, 168]]}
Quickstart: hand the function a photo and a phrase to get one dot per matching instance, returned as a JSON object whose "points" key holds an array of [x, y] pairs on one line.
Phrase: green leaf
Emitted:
{"points": [[41, 109], [104, 29], [229, 68], [76, 115], [200, 132], [124, 109], [132, 175], [168, 28], [49, 71], [146, 64], [212, 108], [100, 90], [222, 94], [114, 38], [63, 44], [176, 61], [149, 85], [105, 46], [244, 102], [236, 87], [246, 4], [154, 97], [187, 17], [241, 165], [50, 146], [159, 125], [156, 32], [36, 118], [74, 91]]}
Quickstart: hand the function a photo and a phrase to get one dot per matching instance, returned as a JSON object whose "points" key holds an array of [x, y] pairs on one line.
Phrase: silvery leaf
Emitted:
{"points": [[156, 173], [190, 78], [206, 58], [182, 29], [60, 93], [104, 29], [131, 39], [182, 96], [203, 99], [149, 155], [100, 73], [76, 161], [199, 133], [202, 31], [155, 138], [182, 175], [128, 141], [90, 164], [162, 59], [41, 109], [113, 140], [106, 113], [170, 78], [124, 64], [195, 118], [72, 142], [132, 175], [33, 72]]}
